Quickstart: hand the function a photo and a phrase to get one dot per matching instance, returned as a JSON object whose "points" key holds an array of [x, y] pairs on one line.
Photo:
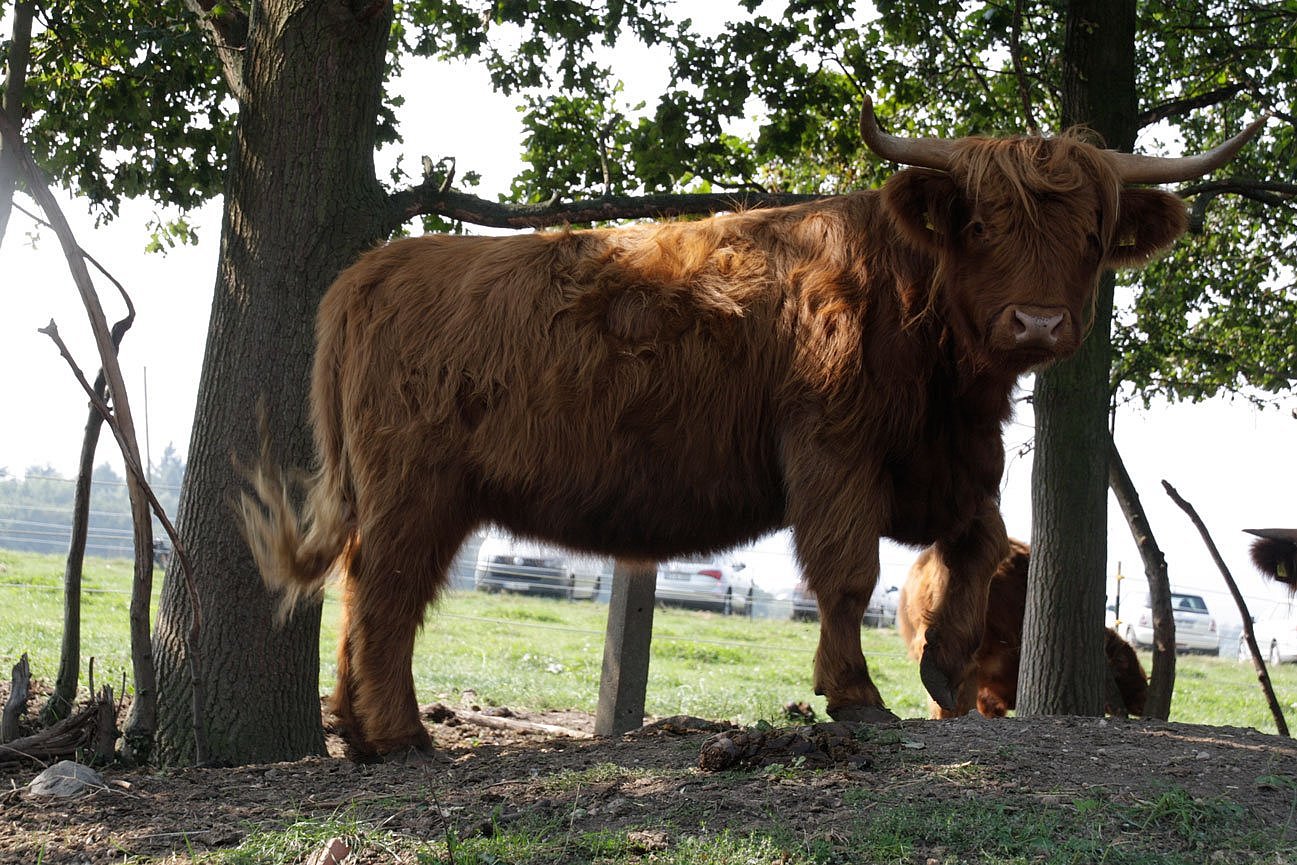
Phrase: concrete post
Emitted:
{"points": [[626, 648]]}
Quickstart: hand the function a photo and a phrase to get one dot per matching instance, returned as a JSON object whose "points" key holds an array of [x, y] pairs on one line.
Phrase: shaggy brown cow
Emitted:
{"points": [[842, 367], [992, 685], [1275, 554]]}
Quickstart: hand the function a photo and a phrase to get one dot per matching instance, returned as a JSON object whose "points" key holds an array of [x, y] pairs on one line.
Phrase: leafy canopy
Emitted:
{"points": [[126, 100]]}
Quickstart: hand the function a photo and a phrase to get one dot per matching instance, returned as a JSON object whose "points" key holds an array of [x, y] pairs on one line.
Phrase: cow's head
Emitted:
{"points": [[1020, 230]]}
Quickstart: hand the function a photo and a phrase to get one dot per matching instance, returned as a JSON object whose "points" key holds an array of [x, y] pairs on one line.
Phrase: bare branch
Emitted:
{"points": [[1257, 661], [131, 459], [427, 199]]}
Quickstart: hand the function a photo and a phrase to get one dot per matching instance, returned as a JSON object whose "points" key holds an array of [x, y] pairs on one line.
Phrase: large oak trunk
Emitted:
{"points": [[301, 202], [1062, 668]]}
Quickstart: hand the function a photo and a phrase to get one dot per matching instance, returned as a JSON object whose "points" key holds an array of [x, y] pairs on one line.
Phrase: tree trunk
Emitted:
{"points": [[1062, 668], [313, 72], [11, 102]]}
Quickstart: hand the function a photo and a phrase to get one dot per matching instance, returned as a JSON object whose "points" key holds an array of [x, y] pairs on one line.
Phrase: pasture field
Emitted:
{"points": [[542, 653], [1058, 791]]}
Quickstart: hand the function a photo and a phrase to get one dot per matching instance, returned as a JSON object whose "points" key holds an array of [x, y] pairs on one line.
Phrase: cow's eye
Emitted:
{"points": [[977, 229]]}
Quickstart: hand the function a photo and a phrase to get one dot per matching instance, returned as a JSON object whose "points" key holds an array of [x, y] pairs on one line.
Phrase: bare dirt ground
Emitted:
{"points": [[650, 783]]}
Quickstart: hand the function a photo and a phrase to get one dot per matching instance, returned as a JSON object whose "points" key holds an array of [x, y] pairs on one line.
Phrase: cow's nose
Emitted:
{"points": [[1035, 329]]}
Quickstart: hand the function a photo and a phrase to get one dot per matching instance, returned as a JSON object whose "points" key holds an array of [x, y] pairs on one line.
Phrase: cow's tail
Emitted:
{"points": [[295, 550]]}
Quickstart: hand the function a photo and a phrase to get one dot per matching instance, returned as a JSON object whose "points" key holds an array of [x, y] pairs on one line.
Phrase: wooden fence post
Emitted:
{"points": [[626, 648]]}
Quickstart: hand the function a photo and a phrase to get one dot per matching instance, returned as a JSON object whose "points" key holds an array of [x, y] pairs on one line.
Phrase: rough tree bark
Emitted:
{"points": [[1062, 668], [301, 202]]}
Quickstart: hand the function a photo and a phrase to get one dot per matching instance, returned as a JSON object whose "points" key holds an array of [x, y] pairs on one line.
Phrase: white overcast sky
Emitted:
{"points": [[1234, 463]]}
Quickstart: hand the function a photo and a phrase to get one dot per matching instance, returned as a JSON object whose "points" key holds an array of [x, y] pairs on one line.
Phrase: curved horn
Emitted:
{"points": [[923, 152], [1155, 169]]}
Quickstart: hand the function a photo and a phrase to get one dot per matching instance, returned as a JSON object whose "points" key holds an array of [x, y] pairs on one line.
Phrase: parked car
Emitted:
{"points": [[881, 612], [705, 582], [1276, 636], [509, 564], [805, 607], [1195, 627]]}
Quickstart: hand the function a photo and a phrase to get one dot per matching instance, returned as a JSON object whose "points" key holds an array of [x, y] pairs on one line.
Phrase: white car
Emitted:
{"points": [[1276, 635], [1195, 627], [509, 564], [705, 582]]}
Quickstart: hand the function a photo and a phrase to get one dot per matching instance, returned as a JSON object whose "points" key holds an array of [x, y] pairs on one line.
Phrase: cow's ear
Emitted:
{"points": [[1148, 222], [923, 205]]}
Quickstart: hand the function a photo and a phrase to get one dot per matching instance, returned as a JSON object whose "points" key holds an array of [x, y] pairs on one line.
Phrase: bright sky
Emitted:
{"points": [[1235, 464]]}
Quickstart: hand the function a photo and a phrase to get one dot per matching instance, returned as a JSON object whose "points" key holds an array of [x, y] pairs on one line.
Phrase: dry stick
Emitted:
{"points": [[133, 468], [1263, 676], [145, 707]]}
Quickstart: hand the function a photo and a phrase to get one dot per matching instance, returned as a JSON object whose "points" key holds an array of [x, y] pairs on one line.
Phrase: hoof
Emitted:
{"points": [[859, 714], [937, 683]]}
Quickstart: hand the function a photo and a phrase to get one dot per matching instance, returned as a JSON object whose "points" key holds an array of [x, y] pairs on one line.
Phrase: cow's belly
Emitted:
{"points": [[646, 502]]}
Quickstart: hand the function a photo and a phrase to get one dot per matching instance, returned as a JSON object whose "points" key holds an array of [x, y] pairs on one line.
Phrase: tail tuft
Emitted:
{"points": [[295, 552]]}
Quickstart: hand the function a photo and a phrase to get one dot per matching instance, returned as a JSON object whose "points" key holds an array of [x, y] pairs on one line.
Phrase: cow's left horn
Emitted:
{"points": [[923, 152], [1156, 169]]}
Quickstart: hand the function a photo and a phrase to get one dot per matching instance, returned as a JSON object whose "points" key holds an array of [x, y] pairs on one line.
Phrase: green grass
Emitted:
{"points": [[545, 653], [542, 653], [1172, 829]]}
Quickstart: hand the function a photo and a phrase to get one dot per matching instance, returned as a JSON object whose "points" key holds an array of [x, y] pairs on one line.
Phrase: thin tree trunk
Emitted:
{"points": [[1161, 683], [12, 103], [1062, 669], [62, 698]]}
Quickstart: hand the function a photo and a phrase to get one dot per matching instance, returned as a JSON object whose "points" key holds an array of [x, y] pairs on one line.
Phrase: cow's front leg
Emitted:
{"points": [[958, 623]]}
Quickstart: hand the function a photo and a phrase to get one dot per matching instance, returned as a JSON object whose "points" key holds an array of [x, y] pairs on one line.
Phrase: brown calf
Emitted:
{"points": [[993, 684], [841, 367]]}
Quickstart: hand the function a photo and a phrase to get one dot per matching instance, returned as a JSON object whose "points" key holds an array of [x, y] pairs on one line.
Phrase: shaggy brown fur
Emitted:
{"points": [[1275, 555], [993, 685], [841, 367]]}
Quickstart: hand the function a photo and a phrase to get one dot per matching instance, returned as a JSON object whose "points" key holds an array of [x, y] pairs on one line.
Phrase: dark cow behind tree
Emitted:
{"points": [[992, 685], [842, 367], [1274, 552]]}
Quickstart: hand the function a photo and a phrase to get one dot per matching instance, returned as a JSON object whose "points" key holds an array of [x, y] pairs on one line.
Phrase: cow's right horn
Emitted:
{"points": [[1158, 169], [923, 152]]}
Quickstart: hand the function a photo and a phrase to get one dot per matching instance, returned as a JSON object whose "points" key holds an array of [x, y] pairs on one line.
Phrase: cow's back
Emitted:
{"points": [[610, 389]]}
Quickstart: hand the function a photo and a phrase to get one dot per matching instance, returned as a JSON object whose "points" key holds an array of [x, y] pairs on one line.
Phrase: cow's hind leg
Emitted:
{"points": [[396, 571]]}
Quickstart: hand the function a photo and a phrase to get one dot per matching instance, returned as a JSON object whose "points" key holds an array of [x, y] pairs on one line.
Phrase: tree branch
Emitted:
{"points": [[1257, 661], [228, 33], [429, 199], [1181, 107], [135, 470], [1267, 192]]}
